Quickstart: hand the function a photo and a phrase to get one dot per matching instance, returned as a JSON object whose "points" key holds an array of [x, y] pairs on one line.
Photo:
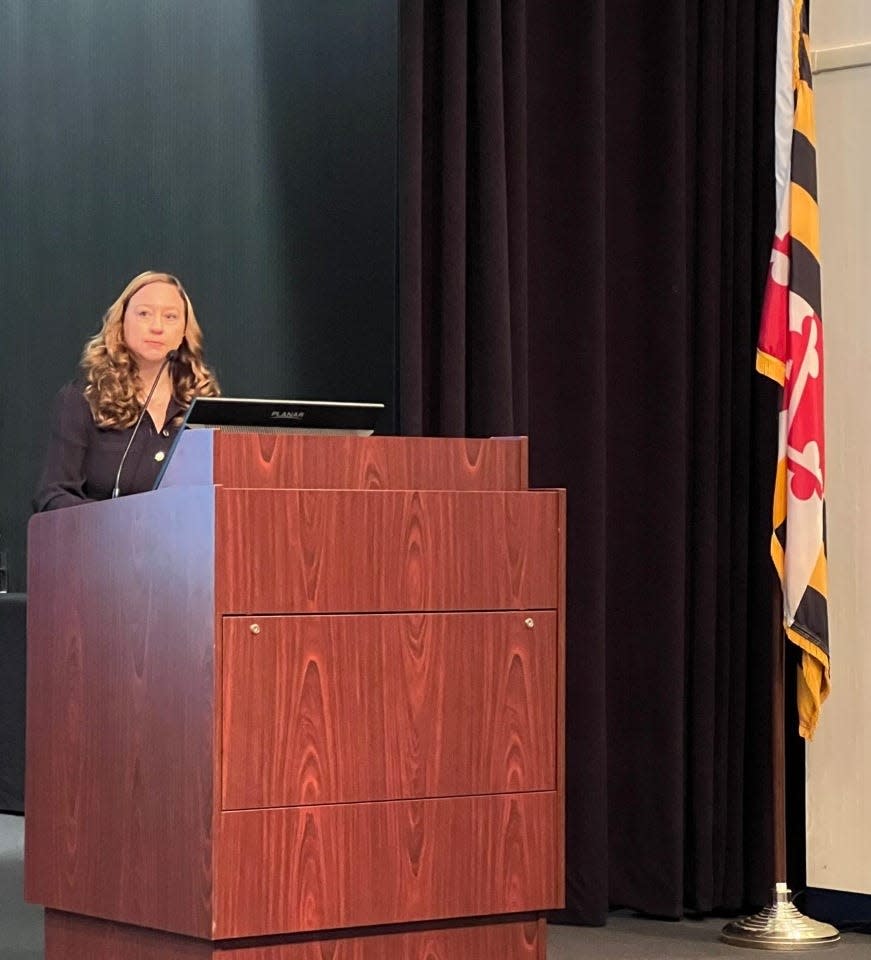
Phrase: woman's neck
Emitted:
{"points": [[146, 379]]}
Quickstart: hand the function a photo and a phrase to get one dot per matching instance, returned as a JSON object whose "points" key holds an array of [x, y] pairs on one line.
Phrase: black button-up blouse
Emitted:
{"points": [[82, 458]]}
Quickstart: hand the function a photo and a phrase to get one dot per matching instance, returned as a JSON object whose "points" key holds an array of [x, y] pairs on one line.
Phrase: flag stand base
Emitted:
{"points": [[779, 927]]}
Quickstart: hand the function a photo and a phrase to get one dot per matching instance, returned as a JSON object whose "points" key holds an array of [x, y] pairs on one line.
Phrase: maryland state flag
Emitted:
{"points": [[790, 351]]}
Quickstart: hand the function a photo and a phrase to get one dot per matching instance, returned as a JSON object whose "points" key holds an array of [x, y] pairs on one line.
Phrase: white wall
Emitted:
{"points": [[839, 758], [836, 23]]}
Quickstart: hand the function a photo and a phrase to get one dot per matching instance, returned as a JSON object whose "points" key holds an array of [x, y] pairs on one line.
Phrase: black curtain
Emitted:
{"points": [[586, 208], [463, 219]]}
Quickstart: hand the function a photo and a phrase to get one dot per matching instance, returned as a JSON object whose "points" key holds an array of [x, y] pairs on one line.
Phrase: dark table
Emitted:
{"points": [[13, 666]]}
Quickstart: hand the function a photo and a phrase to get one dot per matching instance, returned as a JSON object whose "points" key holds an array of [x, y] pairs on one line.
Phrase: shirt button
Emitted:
{"points": [[159, 456], [165, 433]]}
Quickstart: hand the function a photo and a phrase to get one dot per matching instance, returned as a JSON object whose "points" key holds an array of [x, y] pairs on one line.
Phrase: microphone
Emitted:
{"points": [[169, 358]]}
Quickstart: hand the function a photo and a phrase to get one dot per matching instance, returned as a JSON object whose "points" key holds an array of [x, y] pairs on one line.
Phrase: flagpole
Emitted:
{"points": [[778, 731], [789, 351], [780, 926]]}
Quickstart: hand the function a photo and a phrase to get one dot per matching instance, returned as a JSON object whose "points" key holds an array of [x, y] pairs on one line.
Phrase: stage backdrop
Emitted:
{"points": [[586, 212], [248, 146]]}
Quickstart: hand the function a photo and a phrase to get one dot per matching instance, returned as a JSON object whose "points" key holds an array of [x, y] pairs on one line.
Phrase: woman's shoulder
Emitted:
{"points": [[70, 401], [73, 388]]}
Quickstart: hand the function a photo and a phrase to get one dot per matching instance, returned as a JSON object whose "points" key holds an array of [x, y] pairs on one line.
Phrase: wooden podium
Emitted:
{"points": [[303, 702]]}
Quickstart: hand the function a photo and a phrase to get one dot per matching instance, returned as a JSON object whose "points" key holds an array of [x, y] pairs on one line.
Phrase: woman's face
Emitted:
{"points": [[154, 322]]}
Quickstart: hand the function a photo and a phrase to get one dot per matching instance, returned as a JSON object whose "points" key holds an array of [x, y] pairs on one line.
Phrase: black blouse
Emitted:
{"points": [[82, 458]]}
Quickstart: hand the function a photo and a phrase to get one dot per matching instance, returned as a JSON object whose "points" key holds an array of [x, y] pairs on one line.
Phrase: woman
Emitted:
{"points": [[95, 415]]}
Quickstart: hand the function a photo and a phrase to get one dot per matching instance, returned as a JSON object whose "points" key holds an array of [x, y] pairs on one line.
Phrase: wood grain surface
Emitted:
{"points": [[335, 709], [354, 463], [500, 941], [332, 866], [120, 709], [70, 937], [394, 719], [560, 851], [353, 551], [191, 460]]}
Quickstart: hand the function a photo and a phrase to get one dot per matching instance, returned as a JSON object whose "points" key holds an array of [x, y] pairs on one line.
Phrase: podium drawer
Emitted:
{"points": [[350, 708], [381, 551], [360, 864]]}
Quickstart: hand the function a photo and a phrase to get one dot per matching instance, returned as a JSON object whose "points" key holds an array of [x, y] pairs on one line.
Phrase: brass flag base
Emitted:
{"points": [[779, 927]]}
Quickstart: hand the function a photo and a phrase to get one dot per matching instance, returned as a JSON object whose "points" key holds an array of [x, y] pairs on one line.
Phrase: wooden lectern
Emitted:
{"points": [[302, 702]]}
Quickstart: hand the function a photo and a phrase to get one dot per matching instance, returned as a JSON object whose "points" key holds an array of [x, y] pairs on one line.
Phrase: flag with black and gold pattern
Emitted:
{"points": [[790, 351]]}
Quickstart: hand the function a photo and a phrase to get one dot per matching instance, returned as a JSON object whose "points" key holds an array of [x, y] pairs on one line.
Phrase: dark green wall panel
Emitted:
{"points": [[249, 147]]}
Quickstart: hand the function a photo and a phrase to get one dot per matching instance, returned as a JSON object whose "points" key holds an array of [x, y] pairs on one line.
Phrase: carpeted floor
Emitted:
{"points": [[20, 923], [625, 937]]}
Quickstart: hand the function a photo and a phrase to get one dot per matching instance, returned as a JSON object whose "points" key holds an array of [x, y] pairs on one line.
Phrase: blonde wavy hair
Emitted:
{"points": [[111, 372]]}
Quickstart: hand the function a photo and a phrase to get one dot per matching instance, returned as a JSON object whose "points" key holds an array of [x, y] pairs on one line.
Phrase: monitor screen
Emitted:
{"points": [[302, 416]]}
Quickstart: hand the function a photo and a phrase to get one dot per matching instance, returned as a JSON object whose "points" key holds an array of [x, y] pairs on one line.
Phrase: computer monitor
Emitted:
{"points": [[282, 416], [276, 416]]}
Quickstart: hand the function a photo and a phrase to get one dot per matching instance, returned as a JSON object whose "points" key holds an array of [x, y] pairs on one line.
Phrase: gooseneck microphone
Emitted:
{"points": [[169, 358]]}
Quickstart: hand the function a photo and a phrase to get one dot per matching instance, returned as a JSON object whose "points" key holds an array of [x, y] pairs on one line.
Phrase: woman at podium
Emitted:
{"points": [[112, 427]]}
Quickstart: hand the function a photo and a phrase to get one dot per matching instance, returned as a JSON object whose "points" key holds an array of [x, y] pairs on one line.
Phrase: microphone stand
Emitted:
{"points": [[172, 355]]}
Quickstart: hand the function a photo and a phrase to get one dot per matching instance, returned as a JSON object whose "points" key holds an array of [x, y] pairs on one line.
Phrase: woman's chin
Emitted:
{"points": [[150, 358]]}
